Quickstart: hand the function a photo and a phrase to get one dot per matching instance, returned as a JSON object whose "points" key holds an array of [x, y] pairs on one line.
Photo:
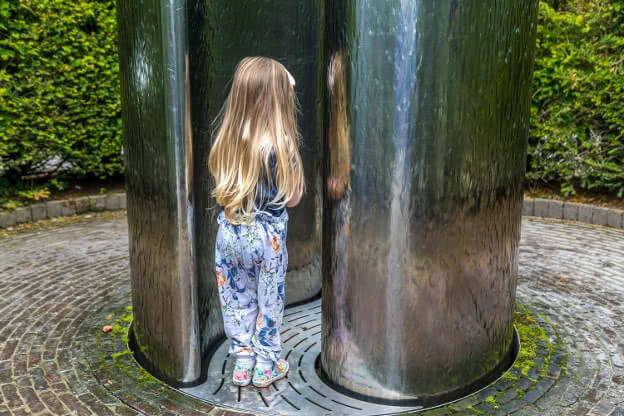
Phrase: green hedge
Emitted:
{"points": [[59, 91], [577, 124], [59, 87]]}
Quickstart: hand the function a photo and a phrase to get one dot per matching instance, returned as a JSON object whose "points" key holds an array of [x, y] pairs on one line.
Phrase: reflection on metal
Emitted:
{"points": [[172, 89], [159, 182], [303, 392], [428, 114], [221, 33]]}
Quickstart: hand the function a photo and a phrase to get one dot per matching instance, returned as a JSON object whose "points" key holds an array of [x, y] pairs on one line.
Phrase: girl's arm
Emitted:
{"points": [[294, 201]]}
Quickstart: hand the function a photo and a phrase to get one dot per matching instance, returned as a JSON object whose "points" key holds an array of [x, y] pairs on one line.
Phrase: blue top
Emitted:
{"points": [[266, 193]]}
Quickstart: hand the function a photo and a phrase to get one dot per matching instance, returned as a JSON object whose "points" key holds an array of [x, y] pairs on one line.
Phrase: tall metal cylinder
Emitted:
{"points": [[221, 33], [154, 81], [428, 106]]}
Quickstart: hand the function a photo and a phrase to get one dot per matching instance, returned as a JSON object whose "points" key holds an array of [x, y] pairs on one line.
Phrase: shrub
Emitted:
{"points": [[577, 114], [59, 92], [59, 87]]}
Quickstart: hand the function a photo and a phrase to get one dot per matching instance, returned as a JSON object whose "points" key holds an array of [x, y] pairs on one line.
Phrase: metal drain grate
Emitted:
{"points": [[302, 392]]}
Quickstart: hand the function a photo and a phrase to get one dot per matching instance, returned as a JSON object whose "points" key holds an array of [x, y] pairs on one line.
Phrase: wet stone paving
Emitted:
{"points": [[60, 286]]}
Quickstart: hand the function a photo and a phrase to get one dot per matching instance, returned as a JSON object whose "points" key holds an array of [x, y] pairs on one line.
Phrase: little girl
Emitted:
{"points": [[258, 172]]}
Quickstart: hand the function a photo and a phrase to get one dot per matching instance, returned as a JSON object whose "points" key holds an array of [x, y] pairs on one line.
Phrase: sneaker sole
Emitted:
{"points": [[267, 384], [238, 383]]}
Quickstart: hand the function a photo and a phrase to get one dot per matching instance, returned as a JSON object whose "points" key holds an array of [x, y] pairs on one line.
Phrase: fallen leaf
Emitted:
{"points": [[562, 280], [107, 328], [48, 378]]}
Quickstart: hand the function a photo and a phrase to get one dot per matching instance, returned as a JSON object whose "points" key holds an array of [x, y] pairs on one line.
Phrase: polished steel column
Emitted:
{"points": [[221, 33], [426, 146], [154, 81]]}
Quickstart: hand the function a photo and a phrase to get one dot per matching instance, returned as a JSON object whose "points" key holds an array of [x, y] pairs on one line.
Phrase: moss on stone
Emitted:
{"points": [[475, 411], [124, 360], [491, 400], [530, 332], [510, 377]]}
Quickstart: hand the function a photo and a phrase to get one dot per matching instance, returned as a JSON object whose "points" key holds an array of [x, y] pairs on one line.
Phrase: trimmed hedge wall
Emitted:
{"points": [[577, 125], [59, 91], [59, 87]]}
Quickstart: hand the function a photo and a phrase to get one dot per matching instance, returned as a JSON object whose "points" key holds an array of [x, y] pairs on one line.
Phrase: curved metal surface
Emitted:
{"points": [[159, 181], [221, 33], [427, 131], [304, 391]]}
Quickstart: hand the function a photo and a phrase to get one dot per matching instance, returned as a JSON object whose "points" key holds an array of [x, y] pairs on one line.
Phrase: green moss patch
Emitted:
{"points": [[123, 360]]}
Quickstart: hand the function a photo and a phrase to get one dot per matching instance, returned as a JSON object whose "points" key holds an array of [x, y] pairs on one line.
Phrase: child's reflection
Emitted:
{"points": [[339, 192], [339, 152]]}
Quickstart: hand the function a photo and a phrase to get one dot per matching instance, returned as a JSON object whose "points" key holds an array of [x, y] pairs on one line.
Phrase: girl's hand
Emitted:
{"points": [[335, 188], [294, 201]]}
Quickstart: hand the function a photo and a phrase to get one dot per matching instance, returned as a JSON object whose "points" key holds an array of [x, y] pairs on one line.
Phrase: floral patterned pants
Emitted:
{"points": [[251, 262]]}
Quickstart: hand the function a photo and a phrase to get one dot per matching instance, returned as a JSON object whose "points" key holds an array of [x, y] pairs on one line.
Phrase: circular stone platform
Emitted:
{"points": [[302, 392], [62, 285]]}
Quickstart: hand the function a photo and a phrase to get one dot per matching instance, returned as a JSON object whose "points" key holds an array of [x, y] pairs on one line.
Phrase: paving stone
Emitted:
{"points": [[53, 403], [92, 403], [23, 214], [11, 397], [122, 201], [615, 218], [514, 405], [38, 212], [507, 396], [585, 213], [74, 404], [523, 384], [555, 209], [7, 219], [68, 208], [82, 205], [32, 399], [571, 211], [532, 395], [487, 408], [540, 207], [8, 350], [600, 216], [124, 410], [97, 202], [54, 208], [527, 207], [111, 202]]}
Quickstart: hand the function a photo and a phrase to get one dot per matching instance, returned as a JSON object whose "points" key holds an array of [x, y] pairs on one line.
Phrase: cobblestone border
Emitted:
{"points": [[526, 383], [54, 355], [121, 378], [534, 207], [542, 361], [562, 210], [64, 208]]}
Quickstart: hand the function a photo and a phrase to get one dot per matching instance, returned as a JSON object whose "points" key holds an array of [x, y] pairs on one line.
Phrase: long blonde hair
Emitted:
{"points": [[257, 118]]}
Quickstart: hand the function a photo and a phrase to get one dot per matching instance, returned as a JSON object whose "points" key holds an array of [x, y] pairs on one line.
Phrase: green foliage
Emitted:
{"points": [[10, 204], [577, 114], [59, 87], [35, 194], [59, 92]]}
